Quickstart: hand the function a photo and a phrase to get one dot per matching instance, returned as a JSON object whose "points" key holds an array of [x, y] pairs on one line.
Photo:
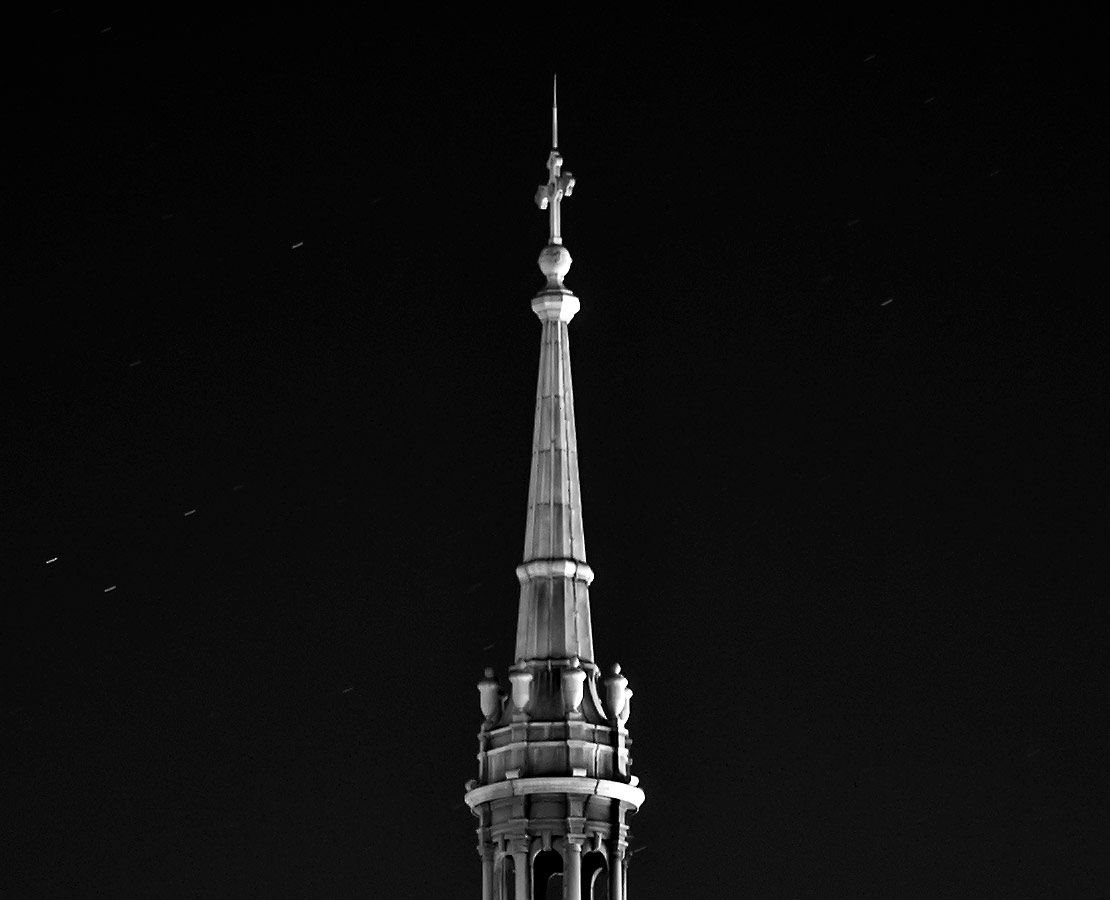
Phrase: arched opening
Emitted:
{"points": [[547, 875], [595, 876], [508, 878]]}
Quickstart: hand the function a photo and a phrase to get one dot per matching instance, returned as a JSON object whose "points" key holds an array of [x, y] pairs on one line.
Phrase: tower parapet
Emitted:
{"points": [[554, 786]]}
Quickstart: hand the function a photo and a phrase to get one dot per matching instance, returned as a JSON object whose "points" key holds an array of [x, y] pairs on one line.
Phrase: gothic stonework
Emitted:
{"points": [[554, 787]]}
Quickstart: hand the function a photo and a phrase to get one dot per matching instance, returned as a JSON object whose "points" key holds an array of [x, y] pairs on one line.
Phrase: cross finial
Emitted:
{"points": [[560, 184]]}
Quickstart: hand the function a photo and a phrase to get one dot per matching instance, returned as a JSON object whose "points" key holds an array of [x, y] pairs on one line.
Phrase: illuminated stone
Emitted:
{"points": [[554, 786]]}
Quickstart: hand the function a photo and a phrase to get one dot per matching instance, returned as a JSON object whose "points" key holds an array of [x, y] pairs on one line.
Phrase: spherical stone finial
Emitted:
{"points": [[555, 262]]}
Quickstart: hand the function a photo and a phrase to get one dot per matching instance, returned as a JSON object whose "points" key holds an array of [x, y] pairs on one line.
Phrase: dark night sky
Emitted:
{"points": [[849, 551]]}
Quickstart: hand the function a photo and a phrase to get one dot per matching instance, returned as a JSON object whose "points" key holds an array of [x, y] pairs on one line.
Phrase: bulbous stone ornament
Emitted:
{"points": [[574, 680], [616, 692], [522, 687], [490, 692], [554, 262]]}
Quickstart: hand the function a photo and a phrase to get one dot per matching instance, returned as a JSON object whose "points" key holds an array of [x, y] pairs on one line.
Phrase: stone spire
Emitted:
{"points": [[554, 787], [554, 616]]}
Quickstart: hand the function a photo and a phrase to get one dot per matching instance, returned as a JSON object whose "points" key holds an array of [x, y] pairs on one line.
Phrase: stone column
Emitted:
{"points": [[572, 878], [520, 863], [487, 872], [616, 873]]}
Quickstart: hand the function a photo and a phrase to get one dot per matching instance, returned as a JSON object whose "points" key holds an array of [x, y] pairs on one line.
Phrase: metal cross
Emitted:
{"points": [[560, 184]]}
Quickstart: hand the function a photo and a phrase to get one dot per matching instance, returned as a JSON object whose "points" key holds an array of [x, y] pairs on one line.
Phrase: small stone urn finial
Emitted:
{"points": [[574, 678], [490, 692], [616, 686], [522, 685]]}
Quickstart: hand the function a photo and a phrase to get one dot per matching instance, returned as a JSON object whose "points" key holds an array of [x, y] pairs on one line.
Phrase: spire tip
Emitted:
{"points": [[554, 111], [560, 184]]}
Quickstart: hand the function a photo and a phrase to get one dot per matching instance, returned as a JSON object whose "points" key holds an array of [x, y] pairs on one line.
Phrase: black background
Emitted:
{"points": [[849, 551]]}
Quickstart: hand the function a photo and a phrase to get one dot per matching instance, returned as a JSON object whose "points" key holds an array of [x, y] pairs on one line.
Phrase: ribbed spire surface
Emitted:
{"points": [[554, 617], [554, 528]]}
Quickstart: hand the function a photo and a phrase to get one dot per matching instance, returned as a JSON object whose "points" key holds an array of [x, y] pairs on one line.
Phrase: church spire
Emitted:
{"points": [[554, 616], [554, 789]]}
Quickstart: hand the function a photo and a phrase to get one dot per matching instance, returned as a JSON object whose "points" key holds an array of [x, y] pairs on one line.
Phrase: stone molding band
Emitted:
{"points": [[590, 787], [557, 305], [554, 568]]}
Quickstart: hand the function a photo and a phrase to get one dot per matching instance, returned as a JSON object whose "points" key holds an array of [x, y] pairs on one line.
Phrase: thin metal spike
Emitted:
{"points": [[554, 111]]}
